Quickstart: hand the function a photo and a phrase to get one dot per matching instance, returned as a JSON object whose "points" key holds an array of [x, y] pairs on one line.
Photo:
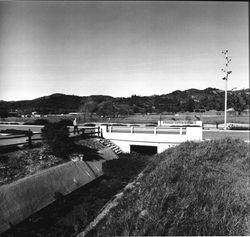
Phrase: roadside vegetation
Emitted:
{"points": [[56, 137], [193, 189]]}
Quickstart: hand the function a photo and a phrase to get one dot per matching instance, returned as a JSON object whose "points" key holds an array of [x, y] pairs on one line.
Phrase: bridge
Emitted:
{"points": [[150, 139]]}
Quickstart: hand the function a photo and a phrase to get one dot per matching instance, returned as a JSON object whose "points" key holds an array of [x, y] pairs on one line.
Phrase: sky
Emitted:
{"points": [[120, 48]]}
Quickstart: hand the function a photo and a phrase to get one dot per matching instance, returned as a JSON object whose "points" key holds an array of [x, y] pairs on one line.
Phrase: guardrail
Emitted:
{"points": [[147, 130], [179, 122], [33, 137]]}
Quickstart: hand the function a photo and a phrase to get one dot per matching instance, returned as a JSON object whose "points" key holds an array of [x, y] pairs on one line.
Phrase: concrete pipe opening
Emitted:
{"points": [[144, 150]]}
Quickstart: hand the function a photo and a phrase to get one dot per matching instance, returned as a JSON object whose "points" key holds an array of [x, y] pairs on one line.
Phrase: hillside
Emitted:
{"points": [[194, 189], [188, 100]]}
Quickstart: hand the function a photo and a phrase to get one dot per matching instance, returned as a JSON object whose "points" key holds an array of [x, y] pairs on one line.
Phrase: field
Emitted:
{"points": [[140, 118], [219, 134]]}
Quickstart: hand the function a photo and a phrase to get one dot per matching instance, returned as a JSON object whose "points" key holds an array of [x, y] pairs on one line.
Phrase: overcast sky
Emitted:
{"points": [[120, 48]]}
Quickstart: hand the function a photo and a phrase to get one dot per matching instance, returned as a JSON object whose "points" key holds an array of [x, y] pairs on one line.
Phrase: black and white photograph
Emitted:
{"points": [[124, 118]]}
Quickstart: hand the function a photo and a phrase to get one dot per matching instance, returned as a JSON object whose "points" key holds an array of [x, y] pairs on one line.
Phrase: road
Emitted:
{"points": [[207, 134]]}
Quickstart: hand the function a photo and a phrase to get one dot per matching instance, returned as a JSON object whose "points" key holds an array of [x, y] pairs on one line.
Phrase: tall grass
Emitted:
{"points": [[193, 189]]}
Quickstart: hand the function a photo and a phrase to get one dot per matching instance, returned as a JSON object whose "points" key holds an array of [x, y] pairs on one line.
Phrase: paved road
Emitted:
{"points": [[207, 134]]}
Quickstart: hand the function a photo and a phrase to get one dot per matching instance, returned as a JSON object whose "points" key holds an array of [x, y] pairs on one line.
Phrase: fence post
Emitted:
{"points": [[98, 131], [29, 138]]}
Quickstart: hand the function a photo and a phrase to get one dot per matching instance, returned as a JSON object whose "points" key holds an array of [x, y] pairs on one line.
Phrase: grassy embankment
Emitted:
{"points": [[193, 189]]}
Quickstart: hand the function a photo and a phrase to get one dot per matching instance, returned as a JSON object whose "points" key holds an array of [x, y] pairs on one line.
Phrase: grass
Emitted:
{"points": [[151, 118], [193, 189], [220, 119], [244, 135]]}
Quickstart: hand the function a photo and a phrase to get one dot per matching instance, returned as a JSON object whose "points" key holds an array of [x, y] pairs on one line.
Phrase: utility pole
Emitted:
{"points": [[227, 72]]}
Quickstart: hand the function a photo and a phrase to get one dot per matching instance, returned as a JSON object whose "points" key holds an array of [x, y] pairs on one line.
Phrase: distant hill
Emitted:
{"points": [[187, 100]]}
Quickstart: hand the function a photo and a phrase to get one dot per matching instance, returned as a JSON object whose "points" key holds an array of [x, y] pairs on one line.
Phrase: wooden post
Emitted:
{"points": [[29, 138]]}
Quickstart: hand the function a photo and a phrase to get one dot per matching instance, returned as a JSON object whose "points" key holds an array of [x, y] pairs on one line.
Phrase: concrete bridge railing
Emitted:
{"points": [[174, 123], [160, 137]]}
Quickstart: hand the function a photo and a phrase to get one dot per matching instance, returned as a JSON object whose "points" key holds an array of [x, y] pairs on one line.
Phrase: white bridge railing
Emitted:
{"points": [[161, 137], [179, 123], [146, 130]]}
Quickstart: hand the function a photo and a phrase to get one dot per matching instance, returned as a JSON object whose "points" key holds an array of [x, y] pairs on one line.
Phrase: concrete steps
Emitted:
{"points": [[111, 145]]}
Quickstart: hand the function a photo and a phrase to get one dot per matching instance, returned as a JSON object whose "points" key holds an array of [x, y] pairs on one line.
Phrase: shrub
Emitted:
{"points": [[188, 118], [56, 136], [66, 122], [192, 189], [232, 127]]}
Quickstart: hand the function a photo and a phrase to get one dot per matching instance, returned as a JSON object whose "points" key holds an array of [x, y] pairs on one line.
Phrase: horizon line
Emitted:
{"points": [[119, 96]]}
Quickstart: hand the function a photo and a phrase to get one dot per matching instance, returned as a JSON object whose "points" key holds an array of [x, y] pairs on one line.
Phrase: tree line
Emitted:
{"points": [[178, 101]]}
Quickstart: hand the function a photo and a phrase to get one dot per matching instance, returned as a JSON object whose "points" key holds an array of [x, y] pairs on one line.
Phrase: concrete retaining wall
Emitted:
{"points": [[26, 196]]}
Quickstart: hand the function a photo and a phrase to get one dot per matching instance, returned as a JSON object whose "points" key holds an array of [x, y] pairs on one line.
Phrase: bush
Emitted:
{"points": [[193, 189], [66, 122], [232, 127], [188, 118], [56, 136]]}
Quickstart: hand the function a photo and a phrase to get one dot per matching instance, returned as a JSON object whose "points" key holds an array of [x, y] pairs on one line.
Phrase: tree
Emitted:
{"points": [[56, 136], [106, 108], [4, 113], [190, 105], [88, 107], [122, 109], [240, 101]]}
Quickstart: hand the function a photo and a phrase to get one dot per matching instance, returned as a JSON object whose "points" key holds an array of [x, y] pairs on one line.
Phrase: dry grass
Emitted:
{"points": [[193, 189]]}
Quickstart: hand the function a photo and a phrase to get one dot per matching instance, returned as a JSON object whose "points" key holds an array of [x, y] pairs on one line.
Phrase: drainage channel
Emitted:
{"points": [[70, 214]]}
